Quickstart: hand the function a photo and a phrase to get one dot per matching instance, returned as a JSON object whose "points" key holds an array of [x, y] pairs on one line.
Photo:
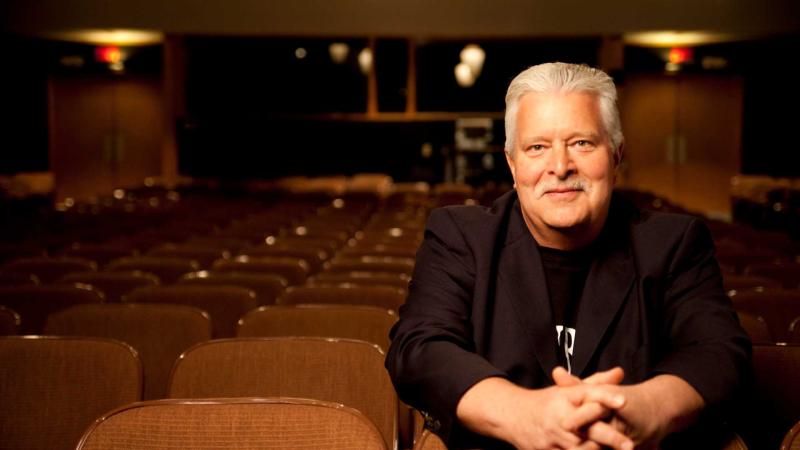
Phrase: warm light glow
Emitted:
{"points": [[339, 52], [675, 38], [365, 60], [300, 53], [680, 55], [111, 55], [464, 75], [110, 37], [473, 56]]}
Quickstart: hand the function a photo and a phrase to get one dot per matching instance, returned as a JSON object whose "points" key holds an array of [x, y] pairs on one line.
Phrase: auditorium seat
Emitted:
{"points": [[794, 331], [294, 270], [370, 264], [756, 328], [429, 441], [168, 270], [241, 423], [357, 250], [113, 285], [314, 257], [35, 303], [733, 282], [346, 371], [52, 389], [49, 269], [225, 304], [365, 323], [205, 256], [792, 439], [741, 258], [18, 279], [787, 273], [318, 231], [158, 333], [102, 254], [268, 287], [778, 307], [224, 243], [328, 245], [9, 321], [379, 296], [10, 251], [361, 278]]}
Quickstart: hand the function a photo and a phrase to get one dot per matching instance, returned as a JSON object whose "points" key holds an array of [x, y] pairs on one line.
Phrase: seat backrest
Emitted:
{"points": [[49, 269], [159, 333], [52, 389], [429, 441], [102, 254], [746, 282], [339, 370], [205, 256], [792, 439], [371, 264], [113, 285], [35, 303], [295, 270], [787, 273], [167, 269], [263, 423], [365, 323], [366, 278], [777, 306], [386, 297], [314, 257], [225, 304], [756, 328], [268, 287], [777, 398], [9, 321], [18, 279]]}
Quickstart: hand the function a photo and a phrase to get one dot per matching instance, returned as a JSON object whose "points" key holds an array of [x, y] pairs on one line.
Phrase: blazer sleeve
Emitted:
{"points": [[432, 359], [707, 346]]}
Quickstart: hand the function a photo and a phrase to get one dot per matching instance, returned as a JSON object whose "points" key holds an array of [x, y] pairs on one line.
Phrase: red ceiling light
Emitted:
{"points": [[680, 55], [108, 54]]}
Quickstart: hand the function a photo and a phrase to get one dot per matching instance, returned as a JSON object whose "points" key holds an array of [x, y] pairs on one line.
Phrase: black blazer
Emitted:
{"points": [[478, 307]]}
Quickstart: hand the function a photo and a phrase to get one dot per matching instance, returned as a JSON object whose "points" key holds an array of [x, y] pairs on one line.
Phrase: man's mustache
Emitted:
{"points": [[575, 184]]}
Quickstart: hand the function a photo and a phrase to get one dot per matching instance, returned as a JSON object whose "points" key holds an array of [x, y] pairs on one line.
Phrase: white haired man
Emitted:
{"points": [[562, 317]]}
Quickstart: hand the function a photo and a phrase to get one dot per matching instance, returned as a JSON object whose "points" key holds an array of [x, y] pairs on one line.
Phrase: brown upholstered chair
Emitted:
{"points": [[295, 270], [225, 243], [168, 270], [9, 321], [47, 269], [314, 257], [777, 306], [364, 323], [429, 441], [11, 251], [732, 282], [35, 303], [741, 258], [113, 285], [361, 278], [158, 333], [340, 370], [205, 256], [225, 304], [18, 279], [268, 287], [381, 296], [756, 328], [792, 439], [328, 245], [102, 254], [251, 423], [777, 401], [371, 264], [787, 273], [324, 231], [400, 251], [52, 389]]}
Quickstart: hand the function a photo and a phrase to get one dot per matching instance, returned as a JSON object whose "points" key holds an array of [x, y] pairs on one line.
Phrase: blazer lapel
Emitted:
{"points": [[607, 286], [521, 279]]}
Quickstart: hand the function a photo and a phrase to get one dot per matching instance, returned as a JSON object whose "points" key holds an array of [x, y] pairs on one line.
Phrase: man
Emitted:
{"points": [[563, 318]]}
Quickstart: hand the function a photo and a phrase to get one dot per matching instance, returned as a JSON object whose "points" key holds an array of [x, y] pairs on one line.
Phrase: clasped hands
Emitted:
{"points": [[588, 414]]}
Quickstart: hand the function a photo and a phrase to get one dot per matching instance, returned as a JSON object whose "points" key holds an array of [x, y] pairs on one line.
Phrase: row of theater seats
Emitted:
{"points": [[378, 234], [338, 268]]}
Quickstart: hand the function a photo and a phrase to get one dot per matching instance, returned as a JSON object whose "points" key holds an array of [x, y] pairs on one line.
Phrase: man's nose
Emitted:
{"points": [[561, 164]]}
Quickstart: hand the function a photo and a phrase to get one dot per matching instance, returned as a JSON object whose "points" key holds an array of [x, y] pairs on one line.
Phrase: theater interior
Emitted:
{"points": [[180, 176]]}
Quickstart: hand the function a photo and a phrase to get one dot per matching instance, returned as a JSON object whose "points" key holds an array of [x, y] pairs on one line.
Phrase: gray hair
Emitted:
{"points": [[563, 77]]}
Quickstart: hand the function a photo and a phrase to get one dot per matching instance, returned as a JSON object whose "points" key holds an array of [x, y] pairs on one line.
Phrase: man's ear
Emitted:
{"points": [[510, 162], [619, 154]]}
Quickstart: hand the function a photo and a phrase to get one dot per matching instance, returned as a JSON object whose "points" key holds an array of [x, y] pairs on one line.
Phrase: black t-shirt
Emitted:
{"points": [[566, 273]]}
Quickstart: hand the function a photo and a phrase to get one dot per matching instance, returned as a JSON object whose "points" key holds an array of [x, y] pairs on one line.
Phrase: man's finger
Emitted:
{"points": [[605, 435], [610, 376], [585, 415], [608, 396], [587, 445], [563, 378]]}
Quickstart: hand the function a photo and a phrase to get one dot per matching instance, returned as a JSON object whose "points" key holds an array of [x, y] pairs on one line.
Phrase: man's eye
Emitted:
{"points": [[536, 147], [583, 143]]}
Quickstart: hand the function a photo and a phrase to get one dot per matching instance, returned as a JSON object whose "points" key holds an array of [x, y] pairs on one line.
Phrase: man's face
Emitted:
{"points": [[563, 165]]}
